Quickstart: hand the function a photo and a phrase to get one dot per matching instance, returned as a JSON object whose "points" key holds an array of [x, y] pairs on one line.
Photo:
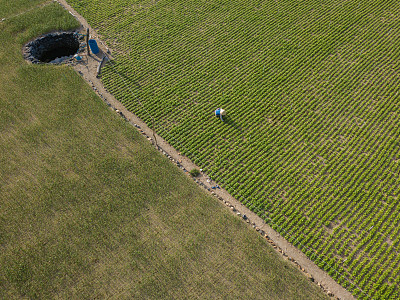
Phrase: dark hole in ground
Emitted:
{"points": [[50, 55], [52, 46]]}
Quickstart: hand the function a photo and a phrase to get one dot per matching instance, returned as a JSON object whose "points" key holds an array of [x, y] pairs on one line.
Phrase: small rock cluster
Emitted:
{"points": [[36, 51]]}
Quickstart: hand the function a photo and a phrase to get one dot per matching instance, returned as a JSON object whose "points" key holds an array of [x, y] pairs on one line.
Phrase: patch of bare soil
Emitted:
{"points": [[88, 67]]}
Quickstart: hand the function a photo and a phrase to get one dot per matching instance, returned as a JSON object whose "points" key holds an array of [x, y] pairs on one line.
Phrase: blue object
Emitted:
{"points": [[219, 112], [78, 58], [93, 46]]}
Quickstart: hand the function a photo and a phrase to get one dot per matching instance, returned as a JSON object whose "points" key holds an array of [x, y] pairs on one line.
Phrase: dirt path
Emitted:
{"points": [[88, 69]]}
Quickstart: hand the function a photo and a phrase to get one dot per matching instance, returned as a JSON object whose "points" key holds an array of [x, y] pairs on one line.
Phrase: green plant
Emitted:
{"points": [[312, 102], [194, 172]]}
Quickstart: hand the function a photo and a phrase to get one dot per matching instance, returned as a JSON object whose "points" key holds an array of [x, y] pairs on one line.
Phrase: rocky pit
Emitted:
{"points": [[52, 48]]}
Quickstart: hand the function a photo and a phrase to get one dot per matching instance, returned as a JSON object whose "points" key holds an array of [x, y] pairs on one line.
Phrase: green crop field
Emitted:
{"points": [[90, 210], [311, 141]]}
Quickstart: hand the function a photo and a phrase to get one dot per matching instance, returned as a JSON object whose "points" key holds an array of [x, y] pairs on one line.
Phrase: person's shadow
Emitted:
{"points": [[229, 121]]}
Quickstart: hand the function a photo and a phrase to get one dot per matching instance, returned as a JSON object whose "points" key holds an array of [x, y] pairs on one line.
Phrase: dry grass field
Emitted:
{"points": [[88, 209]]}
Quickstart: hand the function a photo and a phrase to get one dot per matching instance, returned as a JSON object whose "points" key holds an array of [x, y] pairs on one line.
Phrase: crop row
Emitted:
{"points": [[310, 142]]}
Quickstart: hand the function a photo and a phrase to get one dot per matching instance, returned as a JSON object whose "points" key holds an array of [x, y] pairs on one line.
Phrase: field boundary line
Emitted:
{"points": [[315, 253], [87, 69]]}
